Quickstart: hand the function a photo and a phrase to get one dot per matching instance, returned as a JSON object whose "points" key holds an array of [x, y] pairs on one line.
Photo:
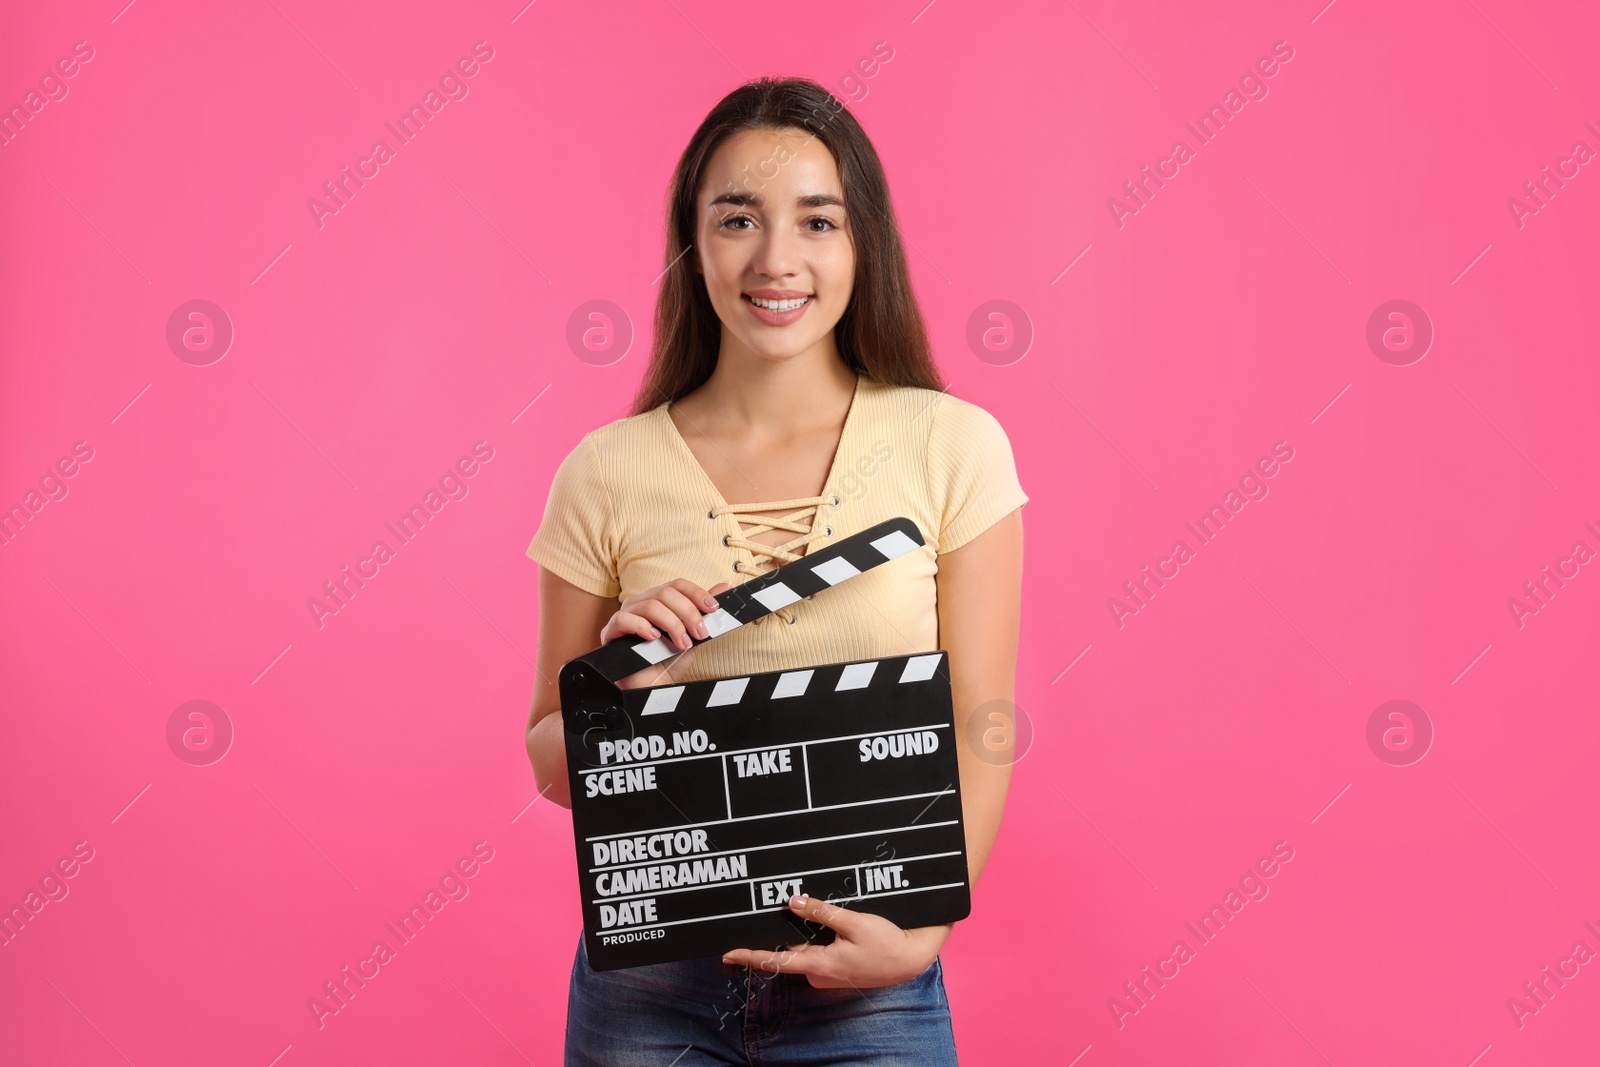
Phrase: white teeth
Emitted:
{"points": [[778, 305]]}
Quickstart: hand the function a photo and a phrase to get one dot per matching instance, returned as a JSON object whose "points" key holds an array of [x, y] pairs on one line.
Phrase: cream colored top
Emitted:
{"points": [[631, 508]]}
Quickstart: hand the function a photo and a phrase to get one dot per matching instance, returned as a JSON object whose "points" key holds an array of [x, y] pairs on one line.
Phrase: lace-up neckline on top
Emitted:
{"points": [[779, 554], [807, 533], [793, 513]]}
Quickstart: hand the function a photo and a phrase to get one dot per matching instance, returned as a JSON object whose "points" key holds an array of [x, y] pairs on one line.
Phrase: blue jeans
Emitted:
{"points": [[703, 1011]]}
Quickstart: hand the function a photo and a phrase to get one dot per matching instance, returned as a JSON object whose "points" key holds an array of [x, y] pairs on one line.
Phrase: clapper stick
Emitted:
{"points": [[698, 807], [762, 595]]}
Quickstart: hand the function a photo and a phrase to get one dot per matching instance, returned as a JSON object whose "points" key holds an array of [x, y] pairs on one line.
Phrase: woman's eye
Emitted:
{"points": [[732, 222]]}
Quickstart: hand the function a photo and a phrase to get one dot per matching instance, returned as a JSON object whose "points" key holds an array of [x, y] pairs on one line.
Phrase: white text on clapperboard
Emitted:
{"points": [[642, 848]]}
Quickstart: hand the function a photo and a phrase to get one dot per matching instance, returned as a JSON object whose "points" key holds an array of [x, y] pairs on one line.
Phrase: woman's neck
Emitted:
{"points": [[776, 399]]}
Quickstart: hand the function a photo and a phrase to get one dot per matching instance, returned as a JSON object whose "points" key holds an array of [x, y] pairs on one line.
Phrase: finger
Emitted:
{"points": [[700, 597], [690, 616], [628, 622], [830, 915], [667, 621], [782, 962]]}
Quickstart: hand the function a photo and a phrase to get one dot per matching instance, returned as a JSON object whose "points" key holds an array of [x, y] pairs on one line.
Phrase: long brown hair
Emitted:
{"points": [[881, 334]]}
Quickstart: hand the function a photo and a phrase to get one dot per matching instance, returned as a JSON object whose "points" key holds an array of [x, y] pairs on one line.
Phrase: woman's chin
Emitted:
{"points": [[781, 352]]}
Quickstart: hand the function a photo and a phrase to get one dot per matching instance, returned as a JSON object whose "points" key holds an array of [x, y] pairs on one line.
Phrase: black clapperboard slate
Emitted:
{"points": [[699, 808]]}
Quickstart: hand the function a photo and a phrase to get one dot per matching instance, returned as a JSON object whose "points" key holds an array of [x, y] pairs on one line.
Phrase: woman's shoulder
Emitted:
{"points": [[937, 414], [625, 433], [607, 458]]}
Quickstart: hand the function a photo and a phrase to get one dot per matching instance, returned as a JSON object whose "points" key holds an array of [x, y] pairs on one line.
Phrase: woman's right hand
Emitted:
{"points": [[674, 609]]}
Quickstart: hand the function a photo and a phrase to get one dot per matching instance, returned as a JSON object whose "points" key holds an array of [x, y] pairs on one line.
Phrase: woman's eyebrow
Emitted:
{"points": [[754, 200]]}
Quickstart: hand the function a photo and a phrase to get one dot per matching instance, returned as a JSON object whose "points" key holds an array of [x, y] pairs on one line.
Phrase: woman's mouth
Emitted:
{"points": [[778, 312]]}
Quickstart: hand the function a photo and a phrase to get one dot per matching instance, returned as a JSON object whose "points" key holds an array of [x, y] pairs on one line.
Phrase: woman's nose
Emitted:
{"points": [[778, 254]]}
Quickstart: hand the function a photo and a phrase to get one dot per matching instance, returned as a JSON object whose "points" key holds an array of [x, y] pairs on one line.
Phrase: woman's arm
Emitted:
{"points": [[980, 607], [570, 620], [568, 616]]}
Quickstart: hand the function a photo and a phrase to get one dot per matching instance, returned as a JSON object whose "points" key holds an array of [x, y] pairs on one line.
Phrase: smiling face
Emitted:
{"points": [[774, 242]]}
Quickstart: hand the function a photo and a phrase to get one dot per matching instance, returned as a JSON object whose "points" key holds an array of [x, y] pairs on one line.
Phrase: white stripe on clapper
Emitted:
{"points": [[727, 691], [856, 676], [835, 570], [653, 652], [894, 544], [920, 668], [777, 596], [792, 684], [662, 701], [720, 622]]}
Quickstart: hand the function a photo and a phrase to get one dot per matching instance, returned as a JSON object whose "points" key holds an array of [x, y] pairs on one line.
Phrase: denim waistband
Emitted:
{"points": [[706, 1011]]}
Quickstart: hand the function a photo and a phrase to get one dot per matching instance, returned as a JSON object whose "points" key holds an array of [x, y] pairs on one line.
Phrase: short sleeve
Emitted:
{"points": [[972, 475], [577, 538]]}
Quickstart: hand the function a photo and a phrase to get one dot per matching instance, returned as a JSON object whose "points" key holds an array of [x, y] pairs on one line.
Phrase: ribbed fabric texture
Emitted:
{"points": [[631, 508]]}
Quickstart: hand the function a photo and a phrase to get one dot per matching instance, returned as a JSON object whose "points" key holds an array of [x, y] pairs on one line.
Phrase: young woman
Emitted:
{"points": [[790, 399]]}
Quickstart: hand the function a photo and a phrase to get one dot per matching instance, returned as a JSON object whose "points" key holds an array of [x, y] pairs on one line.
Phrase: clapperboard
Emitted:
{"points": [[698, 809]]}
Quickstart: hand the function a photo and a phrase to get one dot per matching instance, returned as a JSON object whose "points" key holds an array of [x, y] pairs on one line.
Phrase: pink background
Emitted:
{"points": [[371, 754]]}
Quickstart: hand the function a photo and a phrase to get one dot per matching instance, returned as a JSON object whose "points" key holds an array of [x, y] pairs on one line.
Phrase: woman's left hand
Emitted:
{"points": [[868, 950]]}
